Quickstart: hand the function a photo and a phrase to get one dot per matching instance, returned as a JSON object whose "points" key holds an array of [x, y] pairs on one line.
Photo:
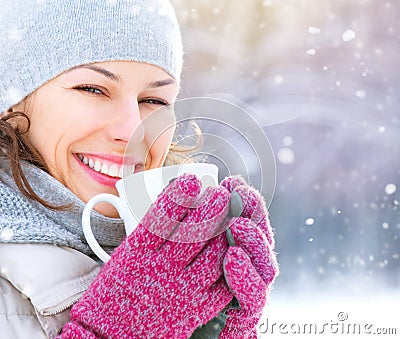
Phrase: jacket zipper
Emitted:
{"points": [[53, 310]]}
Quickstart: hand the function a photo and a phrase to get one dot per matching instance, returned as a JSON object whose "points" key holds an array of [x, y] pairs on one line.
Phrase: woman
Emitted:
{"points": [[77, 78]]}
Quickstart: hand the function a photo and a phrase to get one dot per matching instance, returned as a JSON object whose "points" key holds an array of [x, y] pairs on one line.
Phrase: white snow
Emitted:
{"points": [[311, 51], [287, 141], [314, 30], [390, 188], [348, 35], [279, 79], [13, 95], [6, 234], [309, 221], [361, 94], [286, 156]]}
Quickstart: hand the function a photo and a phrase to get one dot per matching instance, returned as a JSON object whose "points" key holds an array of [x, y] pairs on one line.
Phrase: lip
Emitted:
{"points": [[101, 178]]}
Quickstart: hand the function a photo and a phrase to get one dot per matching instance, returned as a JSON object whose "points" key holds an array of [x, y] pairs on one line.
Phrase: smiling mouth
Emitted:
{"points": [[107, 168]]}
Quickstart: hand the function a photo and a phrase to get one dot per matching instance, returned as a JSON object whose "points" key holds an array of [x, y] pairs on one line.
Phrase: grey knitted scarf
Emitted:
{"points": [[25, 221]]}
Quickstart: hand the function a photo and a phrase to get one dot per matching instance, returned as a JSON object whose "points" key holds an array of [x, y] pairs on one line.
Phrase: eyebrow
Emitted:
{"points": [[115, 77], [100, 70], [161, 83]]}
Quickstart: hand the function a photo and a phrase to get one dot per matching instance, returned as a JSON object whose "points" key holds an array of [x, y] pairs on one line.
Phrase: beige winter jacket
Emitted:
{"points": [[38, 285]]}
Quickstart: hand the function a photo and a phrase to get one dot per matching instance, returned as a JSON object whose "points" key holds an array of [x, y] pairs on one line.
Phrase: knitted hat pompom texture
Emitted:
{"points": [[40, 39]]}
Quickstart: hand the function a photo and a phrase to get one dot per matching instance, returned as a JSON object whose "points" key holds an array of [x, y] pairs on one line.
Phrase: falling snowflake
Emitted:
{"points": [[13, 95], [6, 234], [383, 264], [361, 94], [267, 3], [287, 141], [279, 79], [348, 35], [390, 189], [309, 221], [286, 156], [333, 260], [311, 51], [314, 30]]}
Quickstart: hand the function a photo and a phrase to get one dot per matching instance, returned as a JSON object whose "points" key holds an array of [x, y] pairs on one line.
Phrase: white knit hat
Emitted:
{"points": [[39, 39]]}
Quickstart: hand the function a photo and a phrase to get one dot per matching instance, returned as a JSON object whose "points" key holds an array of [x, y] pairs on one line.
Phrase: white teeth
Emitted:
{"points": [[97, 166], [104, 169], [113, 171]]}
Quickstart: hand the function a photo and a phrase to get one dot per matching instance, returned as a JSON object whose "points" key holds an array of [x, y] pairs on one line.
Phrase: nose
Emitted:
{"points": [[126, 123]]}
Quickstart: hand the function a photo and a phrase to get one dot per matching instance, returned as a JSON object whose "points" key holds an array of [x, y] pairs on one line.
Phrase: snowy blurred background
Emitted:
{"points": [[322, 79]]}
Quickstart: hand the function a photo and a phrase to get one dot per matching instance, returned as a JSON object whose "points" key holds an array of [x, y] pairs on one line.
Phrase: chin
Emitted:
{"points": [[104, 208]]}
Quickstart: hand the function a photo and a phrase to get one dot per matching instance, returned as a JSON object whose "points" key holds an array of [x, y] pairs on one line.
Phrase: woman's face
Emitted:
{"points": [[83, 120]]}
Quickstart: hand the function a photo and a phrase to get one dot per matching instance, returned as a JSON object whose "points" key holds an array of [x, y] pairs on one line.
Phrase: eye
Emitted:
{"points": [[89, 88], [153, 101]]}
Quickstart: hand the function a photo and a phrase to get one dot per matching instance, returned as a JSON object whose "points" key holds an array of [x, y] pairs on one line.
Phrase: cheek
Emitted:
{"points": [[47, 127], [159, 129], [158, 147], [55, 127]]}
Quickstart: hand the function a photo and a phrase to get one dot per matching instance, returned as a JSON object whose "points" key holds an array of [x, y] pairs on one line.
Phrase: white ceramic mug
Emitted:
{"points": [[136, 194]]}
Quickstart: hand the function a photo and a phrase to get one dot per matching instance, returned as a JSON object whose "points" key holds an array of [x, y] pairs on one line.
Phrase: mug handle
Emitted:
{"points": [[87, 228]]}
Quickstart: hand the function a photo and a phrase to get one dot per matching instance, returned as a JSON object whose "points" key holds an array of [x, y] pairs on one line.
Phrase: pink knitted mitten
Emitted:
{"points": [[157, 288], [250, 265]]}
